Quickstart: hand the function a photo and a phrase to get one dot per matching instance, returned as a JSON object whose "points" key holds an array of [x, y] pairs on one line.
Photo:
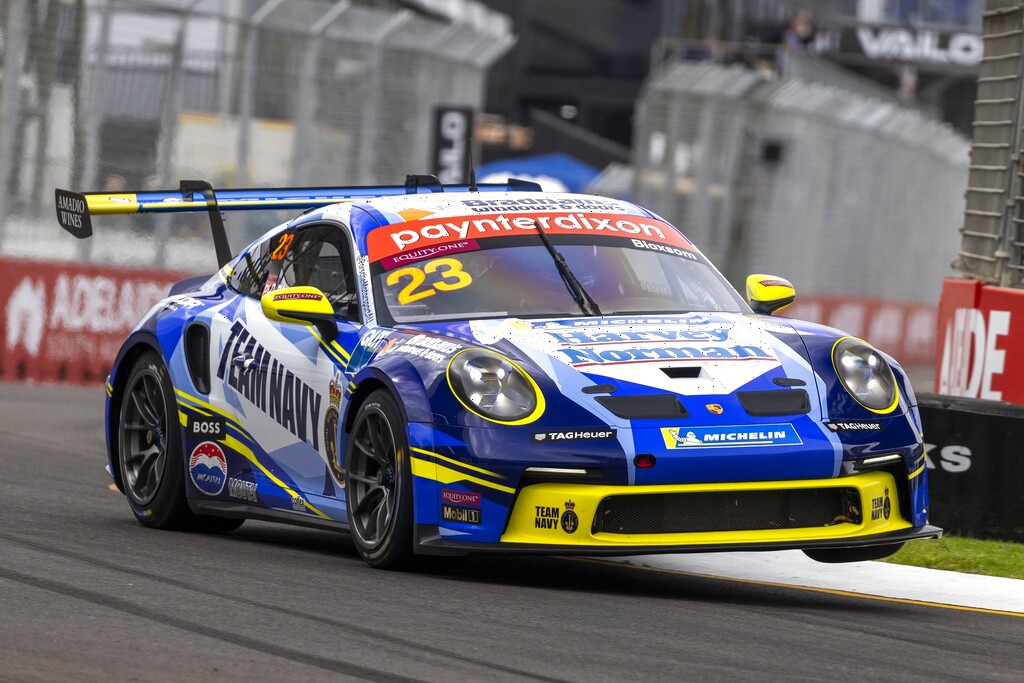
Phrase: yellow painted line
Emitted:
{"points": [[916, 472], [112, 487], [456, 462], [235, 444], [183, 419], [327, 348], [812, 589], [110, 389], [338, 347], [446, 475]]}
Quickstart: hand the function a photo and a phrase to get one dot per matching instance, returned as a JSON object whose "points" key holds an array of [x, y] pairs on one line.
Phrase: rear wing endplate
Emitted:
{"points": [[75, 209]]}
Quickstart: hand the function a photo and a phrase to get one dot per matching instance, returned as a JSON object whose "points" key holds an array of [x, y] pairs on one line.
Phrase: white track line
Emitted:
{"points": [[793, 568]]}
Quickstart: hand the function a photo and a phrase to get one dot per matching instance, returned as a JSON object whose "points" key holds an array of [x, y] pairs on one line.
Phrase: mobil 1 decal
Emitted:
{"points": [[391, 243], [266, 383]]}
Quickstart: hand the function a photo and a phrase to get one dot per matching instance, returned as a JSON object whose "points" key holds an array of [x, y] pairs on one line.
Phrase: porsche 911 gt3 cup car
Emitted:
{"points": [[444, 370]]}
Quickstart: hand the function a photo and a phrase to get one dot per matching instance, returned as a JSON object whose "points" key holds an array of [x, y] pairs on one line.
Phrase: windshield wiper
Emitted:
{"points": [[579, 294]]}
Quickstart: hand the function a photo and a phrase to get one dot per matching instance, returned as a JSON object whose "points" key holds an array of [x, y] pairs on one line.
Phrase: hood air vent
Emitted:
{"points": [[685, 372], [644, 406], [777, 402]]}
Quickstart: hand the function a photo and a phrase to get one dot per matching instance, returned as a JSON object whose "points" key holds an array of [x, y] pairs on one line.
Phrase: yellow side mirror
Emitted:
{"points": [[769, 293], [301, 305]]}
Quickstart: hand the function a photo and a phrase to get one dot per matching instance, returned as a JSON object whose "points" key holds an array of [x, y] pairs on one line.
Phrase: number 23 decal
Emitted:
{"points": [[452, 277]]}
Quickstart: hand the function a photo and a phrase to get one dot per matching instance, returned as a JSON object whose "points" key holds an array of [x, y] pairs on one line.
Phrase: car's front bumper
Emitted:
{"points": [[575, 518]]}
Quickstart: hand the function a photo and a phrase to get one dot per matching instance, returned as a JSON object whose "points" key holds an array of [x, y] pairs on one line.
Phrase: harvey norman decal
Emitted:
{"points": [[730, 436]]}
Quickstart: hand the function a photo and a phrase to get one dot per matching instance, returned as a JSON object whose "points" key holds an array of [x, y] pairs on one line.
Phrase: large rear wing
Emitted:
{"points": [[75, 209]]}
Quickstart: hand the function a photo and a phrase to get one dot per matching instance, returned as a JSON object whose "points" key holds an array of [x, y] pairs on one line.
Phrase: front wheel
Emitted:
{"points": [[838, 555], [150, 453], [378, 484]]}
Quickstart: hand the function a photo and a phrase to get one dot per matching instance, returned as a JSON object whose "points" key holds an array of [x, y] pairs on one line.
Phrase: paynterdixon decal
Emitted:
{"points": [[730, 436], [269, 386], [391, 240], [208, 468]]}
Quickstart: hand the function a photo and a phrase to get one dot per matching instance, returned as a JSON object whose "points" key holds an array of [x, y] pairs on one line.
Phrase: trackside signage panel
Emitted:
{"points": [[392, 240]]}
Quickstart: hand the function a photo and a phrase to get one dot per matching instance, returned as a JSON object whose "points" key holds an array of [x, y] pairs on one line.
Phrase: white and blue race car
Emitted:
{"points": [[442, 370]]}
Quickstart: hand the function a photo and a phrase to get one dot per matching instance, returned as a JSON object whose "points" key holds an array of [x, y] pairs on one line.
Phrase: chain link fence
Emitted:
{"points": [[836, 190], [137, 94]]}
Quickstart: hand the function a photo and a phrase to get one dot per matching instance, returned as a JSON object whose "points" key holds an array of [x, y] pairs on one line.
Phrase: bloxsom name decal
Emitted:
{"points": [[269, 386]]}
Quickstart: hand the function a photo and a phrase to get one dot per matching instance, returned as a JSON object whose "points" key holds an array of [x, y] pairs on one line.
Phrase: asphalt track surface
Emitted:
{"points": [[87, 594]]}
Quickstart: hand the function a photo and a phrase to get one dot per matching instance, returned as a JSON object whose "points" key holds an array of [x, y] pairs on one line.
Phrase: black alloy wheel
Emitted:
{"points": [[378, 484], [150, 453]]}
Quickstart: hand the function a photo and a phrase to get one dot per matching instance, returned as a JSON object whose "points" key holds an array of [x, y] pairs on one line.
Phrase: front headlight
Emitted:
{"points": [[494, 387], [865, 374]]}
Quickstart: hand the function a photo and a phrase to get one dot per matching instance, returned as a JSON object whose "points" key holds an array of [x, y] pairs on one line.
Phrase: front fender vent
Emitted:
{"points": [[197, 356], [777, 402], [644, 406]]}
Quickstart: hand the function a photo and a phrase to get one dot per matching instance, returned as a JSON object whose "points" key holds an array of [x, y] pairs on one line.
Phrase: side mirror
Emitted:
{"points": [[767, 294], [301, 305]]}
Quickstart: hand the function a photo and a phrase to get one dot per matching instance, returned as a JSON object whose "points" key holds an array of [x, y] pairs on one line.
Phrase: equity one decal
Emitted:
{"points": [[269, 386]]}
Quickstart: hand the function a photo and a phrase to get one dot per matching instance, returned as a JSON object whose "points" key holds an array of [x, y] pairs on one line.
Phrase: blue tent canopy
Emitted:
{"points": [[555, 172]]}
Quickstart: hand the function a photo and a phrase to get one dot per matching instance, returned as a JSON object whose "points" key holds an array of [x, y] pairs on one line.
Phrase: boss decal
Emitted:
{"points": [[214, 426], [269, 386], [731, 436], [575, 435], [208, 468]]}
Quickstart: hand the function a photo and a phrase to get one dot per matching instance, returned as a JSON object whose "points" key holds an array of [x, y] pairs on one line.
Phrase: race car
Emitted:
{"points": [[443, 370]]}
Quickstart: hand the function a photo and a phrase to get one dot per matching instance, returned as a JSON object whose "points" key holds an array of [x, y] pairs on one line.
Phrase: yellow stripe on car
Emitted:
{"points": [[474, 468], [236, 445], [446, 475]]}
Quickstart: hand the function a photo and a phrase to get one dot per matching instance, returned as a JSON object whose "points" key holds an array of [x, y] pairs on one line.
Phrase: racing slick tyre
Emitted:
{"points": [[837, 555], [150, 453], [378, 484]]}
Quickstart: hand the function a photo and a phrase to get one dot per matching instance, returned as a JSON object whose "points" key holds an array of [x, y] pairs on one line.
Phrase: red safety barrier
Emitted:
{"points": [[903, 329], [64, 322], [977, 339]]}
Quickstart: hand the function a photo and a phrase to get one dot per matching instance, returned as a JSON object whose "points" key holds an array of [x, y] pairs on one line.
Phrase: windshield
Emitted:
{"points": [[516, 276]]}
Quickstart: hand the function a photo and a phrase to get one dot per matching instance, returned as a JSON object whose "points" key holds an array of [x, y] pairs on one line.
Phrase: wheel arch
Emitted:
{"points": [[130, 352]]}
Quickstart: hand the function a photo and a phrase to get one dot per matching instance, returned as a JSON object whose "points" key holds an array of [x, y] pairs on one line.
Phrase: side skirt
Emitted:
{"points": [[216, 508]]}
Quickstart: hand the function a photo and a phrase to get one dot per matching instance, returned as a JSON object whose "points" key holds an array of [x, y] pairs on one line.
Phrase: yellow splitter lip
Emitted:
{"points": [[563, 515]]}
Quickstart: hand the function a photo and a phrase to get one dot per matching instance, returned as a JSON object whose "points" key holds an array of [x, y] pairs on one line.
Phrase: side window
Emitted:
{"points": [[251, 272], [318, 256]]}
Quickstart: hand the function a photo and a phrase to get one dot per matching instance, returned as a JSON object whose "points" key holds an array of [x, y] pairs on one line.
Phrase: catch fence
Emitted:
{"points": [[138, 94], [837, 190]]}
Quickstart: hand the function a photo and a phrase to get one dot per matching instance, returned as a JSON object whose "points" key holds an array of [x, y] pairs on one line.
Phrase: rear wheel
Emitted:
{"points": [[838, 555], [378, 484], [150, 453]]}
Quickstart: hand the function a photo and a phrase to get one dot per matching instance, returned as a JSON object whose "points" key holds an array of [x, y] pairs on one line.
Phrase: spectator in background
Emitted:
{"points": [[800, 33]]}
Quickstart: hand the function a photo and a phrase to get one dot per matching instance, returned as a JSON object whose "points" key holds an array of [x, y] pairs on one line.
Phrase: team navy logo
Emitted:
{"points": [[736, 435], [570, 522], [331, 430], [208, 468]]}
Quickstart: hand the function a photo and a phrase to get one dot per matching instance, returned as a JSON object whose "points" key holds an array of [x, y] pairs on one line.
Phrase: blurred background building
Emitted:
{"points": [[821, 139]]}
